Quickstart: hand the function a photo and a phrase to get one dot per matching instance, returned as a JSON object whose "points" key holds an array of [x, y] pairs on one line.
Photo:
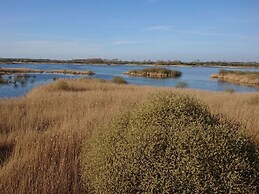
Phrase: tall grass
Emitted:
{"points": [[41, 134], [47, 128]]}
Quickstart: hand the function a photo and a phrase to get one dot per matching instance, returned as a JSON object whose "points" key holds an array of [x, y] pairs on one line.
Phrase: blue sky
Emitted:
{"points": [[187, 30]]}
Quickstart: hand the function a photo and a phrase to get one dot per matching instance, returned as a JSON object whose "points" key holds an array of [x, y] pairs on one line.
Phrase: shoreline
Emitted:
{"points": [[148, 65], [135, 85]]}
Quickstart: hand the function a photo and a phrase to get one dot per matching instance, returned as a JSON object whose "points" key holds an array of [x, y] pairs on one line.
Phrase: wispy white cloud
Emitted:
{"points": [[217, 34], [241, 20], [125, 42], [160, 28], [171, 28]]}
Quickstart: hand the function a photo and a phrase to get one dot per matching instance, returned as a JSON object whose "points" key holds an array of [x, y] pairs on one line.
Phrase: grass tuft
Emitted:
{"points": [[61, 85], [5, 151], [119, 80], [181, 84], [229, 90]]}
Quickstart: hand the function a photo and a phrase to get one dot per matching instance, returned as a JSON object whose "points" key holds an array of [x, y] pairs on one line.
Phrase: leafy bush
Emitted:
{"points": [[5, 151], [181, 85], [61, 85], [2, 80], [119, 80], [229, 90], [91, 72], [170, 144]]}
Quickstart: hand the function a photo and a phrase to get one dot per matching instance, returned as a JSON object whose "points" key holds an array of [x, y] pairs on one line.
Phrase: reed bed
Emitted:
{"points": [[154, 72], [243, 77], [43, 132], [8, 71]]}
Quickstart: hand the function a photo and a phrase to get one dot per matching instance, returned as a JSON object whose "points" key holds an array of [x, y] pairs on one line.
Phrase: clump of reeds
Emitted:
{"points": [[61, 85], [181, 84], [243, 77], [229, 90], [119, 80]]}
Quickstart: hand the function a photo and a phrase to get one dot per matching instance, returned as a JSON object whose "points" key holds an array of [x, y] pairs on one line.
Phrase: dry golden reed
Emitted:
{"points": [[41, 134]]}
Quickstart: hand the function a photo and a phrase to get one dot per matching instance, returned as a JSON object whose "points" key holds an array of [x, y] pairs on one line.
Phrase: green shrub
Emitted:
{"points": [[91, 72], [5, 152], [61, 85], [2, 80], [119, 80], [229, 90], [181, 85], [170, 144]]}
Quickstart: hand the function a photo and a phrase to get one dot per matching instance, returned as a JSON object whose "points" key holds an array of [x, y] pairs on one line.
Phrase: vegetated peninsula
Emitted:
{"points": [[242, 77], [154, 73], [8, 71]]}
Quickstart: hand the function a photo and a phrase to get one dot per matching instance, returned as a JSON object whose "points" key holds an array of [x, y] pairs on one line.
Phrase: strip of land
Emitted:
{"points": [[242, 77], [8, 71], [154, 73], [98, 61]]}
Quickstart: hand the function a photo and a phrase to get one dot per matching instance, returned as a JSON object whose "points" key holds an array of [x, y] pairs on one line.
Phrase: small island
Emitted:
{"points": [[242, 77], [154, 73]]}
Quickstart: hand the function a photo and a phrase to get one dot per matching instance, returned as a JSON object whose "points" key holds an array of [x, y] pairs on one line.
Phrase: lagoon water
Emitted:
{"points": [[195, 77]]}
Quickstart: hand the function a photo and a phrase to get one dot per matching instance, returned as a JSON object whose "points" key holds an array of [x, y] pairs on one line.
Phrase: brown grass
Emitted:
{"points": [[42, 133]]}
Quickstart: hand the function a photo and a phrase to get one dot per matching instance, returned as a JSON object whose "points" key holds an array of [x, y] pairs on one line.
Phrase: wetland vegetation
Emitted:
{"points": [[154, 72], [9, 71], [242, 77], [45, 137]]}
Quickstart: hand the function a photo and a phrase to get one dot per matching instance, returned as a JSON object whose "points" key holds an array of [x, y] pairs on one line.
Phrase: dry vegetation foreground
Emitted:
{"points": [[42, 133]]}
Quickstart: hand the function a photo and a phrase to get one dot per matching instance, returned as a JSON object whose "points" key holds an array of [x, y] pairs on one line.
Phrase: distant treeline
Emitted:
{"points": [[124, 62]]}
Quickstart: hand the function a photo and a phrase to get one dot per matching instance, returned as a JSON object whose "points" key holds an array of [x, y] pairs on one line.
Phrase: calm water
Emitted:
{"points": [[195, 77]]}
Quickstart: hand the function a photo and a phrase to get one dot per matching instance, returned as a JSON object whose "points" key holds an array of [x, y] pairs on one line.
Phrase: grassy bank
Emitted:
{"points": [[42, 134], [8, 71], [243, 77], [154, 73]]}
